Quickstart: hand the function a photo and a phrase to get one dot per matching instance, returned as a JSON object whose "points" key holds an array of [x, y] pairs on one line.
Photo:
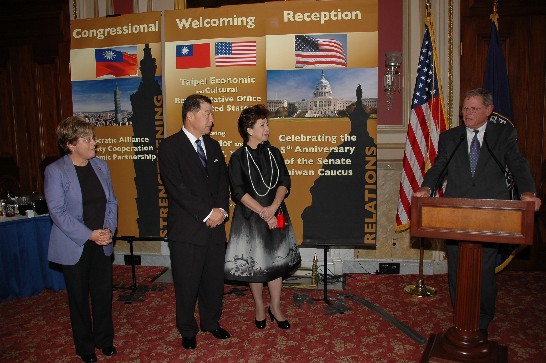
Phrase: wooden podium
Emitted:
{"points": [[472, 222]]}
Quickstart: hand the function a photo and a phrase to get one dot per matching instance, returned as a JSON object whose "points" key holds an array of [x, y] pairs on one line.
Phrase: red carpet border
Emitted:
{"points": [[37, 329]]}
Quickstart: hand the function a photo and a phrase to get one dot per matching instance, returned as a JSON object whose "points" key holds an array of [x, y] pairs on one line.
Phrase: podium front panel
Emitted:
{"points": [[480, 220]]}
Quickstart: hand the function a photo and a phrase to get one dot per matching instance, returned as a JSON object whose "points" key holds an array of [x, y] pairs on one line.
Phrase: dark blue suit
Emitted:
{"points": [[197, 251]]}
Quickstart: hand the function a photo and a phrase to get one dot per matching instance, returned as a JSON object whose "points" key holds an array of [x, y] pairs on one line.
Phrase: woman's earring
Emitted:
{"points": [[250, 134]]}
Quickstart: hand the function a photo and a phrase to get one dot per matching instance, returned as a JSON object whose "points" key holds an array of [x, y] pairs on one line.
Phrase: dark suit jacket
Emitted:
{"points": [[192, 192], [488, 181]]}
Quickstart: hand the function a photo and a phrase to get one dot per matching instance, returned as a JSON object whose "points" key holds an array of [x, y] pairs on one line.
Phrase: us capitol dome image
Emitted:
{"points": [[322, 104]]}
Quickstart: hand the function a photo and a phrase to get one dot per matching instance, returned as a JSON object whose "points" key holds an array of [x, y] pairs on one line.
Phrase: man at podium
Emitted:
{"points": [[472, 160]]}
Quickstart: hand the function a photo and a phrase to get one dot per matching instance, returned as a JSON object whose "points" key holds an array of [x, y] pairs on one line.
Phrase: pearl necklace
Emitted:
{"points": [[272, 160]]}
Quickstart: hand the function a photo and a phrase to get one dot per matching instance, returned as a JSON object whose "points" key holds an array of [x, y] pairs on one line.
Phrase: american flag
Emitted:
{"points": [[427, 121], [313, 52], [235, 54]]}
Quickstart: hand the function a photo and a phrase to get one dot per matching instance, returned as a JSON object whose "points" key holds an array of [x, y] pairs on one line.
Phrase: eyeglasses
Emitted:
{"points": [[88, 139], [472, 109]]}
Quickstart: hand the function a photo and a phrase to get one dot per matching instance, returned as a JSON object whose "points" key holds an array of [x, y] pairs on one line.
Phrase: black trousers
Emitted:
{"points": [[90, 277], [198, 273], [488, 294]]}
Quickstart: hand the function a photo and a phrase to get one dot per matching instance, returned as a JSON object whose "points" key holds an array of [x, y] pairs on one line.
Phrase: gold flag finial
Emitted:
{"points": [[179, 4], [428, 12], [495, 16]]}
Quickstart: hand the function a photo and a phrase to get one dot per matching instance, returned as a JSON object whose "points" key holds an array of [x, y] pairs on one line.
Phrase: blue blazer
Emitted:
{"points": [[64, 200]]}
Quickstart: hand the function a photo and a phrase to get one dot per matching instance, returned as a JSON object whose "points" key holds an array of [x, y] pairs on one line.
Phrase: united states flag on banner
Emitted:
{"points": [[312, 52], [427, 121], [235, 54]]}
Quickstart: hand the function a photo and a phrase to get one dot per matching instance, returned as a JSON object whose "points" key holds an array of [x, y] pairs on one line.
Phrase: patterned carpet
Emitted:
{"points": [[372, 320]]}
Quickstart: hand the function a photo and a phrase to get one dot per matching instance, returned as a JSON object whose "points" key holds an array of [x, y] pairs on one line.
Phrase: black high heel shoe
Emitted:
{"points": [[281, 324], [260, 324]]}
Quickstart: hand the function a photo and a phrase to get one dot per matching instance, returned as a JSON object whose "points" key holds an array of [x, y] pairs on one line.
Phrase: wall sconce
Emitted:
{"points": [[391, 80]]}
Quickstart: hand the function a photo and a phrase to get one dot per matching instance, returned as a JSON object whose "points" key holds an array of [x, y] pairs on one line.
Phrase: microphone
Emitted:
{"points": [[510, 182], [441, 176]]}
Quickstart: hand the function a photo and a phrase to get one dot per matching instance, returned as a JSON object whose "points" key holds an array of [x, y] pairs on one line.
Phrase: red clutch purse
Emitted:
{"points": [[281, 222]]}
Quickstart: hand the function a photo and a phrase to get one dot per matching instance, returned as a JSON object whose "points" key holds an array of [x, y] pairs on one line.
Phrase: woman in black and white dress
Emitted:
{"points": [[262, 246]]}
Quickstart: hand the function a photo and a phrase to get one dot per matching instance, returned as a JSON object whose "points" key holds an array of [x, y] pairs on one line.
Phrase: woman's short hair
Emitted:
{"points": [[70, 130], [248, 118]]}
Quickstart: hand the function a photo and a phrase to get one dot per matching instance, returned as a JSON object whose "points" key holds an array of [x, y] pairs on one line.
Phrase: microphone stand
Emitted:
{"points": [[510, 182], [442, 173], [420, 289], [511, 187]]}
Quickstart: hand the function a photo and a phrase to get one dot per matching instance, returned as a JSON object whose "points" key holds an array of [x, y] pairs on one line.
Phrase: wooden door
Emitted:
{"points": [[522, 27]]}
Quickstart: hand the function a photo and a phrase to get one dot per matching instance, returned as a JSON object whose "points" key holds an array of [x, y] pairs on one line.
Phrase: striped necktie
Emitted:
{"points": [[474, 152], [201, 153]]}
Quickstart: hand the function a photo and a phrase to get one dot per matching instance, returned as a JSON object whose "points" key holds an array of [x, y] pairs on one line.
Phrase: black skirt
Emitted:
{"points": [[256, 253]]}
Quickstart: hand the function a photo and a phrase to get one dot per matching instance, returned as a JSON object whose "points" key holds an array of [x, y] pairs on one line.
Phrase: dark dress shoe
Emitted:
{"points": [[260, 324], [281, 324], [189, 343], [111, 350], [88, 358], [219, 333]]}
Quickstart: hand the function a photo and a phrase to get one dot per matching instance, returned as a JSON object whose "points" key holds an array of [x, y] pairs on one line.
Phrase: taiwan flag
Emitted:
{"points": [[116, 63], [193, 56]]}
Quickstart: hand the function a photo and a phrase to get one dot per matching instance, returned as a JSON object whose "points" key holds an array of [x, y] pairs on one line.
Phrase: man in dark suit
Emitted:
{"points": [[194, 171], [473, 172]]}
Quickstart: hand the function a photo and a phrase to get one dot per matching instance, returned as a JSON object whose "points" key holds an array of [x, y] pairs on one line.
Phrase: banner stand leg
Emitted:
{"points": [[325, 276], [136, 293], [130, 240]]}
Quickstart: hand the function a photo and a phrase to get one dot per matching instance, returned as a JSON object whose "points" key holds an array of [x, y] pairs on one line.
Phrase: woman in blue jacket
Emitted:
{"points": [[83, 208]]}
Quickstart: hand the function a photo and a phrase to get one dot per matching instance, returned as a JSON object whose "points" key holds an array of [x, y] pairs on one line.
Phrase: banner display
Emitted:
{"points": [[314, 65], [116, 68]]}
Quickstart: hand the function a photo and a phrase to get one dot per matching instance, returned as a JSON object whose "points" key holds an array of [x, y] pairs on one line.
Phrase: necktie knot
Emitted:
{"points": [[474, 152], [201, 153]]}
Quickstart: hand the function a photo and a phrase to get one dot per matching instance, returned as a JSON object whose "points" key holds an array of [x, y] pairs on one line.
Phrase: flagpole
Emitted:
{"points": [[420, 289], [494, 15], [496, 81]]}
